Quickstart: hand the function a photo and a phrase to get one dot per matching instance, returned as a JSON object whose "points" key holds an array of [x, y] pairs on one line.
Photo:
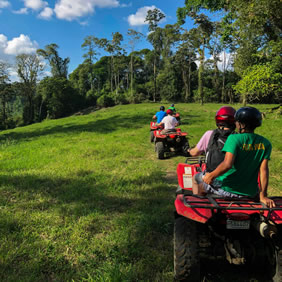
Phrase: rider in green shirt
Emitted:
{"points": [[246, 155], [172, 108]]}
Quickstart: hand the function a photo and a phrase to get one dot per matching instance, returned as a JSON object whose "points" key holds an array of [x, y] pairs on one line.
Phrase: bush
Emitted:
{"points": [[91, 98], [209, 95], [105, 101]]}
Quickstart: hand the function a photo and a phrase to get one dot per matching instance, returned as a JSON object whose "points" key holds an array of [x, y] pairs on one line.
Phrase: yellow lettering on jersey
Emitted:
{"points": [[250, 147]]}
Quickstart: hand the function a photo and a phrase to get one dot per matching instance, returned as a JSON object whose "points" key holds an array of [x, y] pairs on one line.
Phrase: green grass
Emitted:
{"points": [[85, 199]]}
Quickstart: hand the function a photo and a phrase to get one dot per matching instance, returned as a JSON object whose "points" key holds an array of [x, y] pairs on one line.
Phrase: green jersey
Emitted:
{"points": [[250, 150], [172, 108]]}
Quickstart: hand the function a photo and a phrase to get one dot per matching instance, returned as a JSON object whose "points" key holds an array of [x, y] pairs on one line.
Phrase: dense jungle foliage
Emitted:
{"points": [[244, 50]]}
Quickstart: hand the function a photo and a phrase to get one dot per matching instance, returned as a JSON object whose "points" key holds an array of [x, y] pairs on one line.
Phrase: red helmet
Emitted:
{"points": [[225, 115], [169, 112]]}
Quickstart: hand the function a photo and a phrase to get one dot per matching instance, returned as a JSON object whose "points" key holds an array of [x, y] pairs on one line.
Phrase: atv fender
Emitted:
{"points": [[198, 214]]}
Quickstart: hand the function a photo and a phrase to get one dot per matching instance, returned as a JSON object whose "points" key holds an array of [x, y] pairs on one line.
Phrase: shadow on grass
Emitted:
{"points": [[149, 209], [146, 215], [101, 125]]}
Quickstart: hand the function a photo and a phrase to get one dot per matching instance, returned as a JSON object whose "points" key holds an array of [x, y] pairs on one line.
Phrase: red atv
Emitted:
{"points": [[153, 127], [169, 142], [243, 232]]}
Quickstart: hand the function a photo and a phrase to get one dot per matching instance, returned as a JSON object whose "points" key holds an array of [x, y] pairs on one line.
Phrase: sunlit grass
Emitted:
{"points": [[85, 198]]}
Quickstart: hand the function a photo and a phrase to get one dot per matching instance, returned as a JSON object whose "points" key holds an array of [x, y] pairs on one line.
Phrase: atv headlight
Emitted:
{"points": [[178, 139]]}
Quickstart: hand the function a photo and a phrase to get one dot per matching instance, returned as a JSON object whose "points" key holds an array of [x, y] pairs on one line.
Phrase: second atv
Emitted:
{"points": [[170, 142]]}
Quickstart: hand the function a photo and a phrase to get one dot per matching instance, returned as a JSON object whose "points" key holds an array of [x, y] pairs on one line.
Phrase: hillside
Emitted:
{"points": [[84, 197]]}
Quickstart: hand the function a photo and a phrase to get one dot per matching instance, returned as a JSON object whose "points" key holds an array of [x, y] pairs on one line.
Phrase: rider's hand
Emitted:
{"points": [[268, 202], [208, 178]]}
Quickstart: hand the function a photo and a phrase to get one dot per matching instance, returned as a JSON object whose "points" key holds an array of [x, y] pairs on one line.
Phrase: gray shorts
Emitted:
{"points": [[215, 187]]}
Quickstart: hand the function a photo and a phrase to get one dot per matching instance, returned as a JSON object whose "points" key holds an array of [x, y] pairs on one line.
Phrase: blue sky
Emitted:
{"points": [[26, 25]]}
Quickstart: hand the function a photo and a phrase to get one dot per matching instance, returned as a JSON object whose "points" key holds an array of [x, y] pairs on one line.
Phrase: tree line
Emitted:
{"points": [[246, 41]]}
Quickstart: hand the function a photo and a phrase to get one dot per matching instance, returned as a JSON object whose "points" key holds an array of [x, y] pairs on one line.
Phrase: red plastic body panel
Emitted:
{"points": [[158, 134], [200, 215], [201, 209], [185, 172], [154, 126]]}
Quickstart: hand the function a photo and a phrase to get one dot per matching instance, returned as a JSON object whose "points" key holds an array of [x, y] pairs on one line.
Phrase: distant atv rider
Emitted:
{"points": [[160, 115], [172, 108], [246, 157], [211, 143], [169, 122]]}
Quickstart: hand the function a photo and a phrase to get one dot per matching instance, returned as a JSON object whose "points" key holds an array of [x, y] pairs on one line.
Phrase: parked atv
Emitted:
{"points": [[242, 231], [153, 127], [170, 142]]}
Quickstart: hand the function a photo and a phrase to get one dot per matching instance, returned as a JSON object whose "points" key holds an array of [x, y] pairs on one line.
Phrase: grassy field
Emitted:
{"points": [[85, 199]]}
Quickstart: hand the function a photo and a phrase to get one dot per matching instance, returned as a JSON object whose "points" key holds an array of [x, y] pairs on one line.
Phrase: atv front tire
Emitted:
{"points": [[186, 257], [160, 150], [185, 148], [152, 137]]}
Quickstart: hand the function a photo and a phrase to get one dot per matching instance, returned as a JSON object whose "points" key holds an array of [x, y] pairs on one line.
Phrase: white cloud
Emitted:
{"points": [[4, 4], [126, 5], [3, 42], [140, 16], [46, 13], [35, 4], [9, 49], [73, 9], [22, 11], [17, 45], [227, 57]]}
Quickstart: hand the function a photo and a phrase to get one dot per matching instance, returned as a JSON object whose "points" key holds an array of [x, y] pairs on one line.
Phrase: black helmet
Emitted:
{"points": [[249, 116], [162, 108], [172, 105]]}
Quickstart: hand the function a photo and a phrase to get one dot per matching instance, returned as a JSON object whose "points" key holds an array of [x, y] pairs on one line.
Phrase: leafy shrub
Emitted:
{"points": [[105, 101]]}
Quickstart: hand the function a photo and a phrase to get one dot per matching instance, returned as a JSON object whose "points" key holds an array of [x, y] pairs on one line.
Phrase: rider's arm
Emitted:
{"points": [[264, 176], [194, 152], [154, 117], [221, 168]]}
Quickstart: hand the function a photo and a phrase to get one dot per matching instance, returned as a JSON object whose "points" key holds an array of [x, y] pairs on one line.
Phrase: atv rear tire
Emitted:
{"points": [[278, 273], [186, 257], [152, 137], [272, 265], [160, 150]]}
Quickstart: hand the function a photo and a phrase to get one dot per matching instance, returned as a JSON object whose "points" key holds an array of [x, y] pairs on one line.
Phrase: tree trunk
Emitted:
{"points": [[223, 79], [189, 81], [184, 78], [155, 82], [200, 75], [111, 73], [131, 75]]}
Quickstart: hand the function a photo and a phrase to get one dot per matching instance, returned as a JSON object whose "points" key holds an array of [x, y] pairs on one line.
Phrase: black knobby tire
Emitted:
{"points": [[185, 148], [272, 265], [160, 150], [152, 137], [278, 273], [186, 257]]}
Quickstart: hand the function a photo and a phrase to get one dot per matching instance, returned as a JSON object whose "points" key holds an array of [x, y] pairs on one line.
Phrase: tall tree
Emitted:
{"points": [[185, 57], [5, 92], [91, 45], [134, 38], [153, 18], [215, 48], [59, 66], [29, 68], [200, 37]]}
